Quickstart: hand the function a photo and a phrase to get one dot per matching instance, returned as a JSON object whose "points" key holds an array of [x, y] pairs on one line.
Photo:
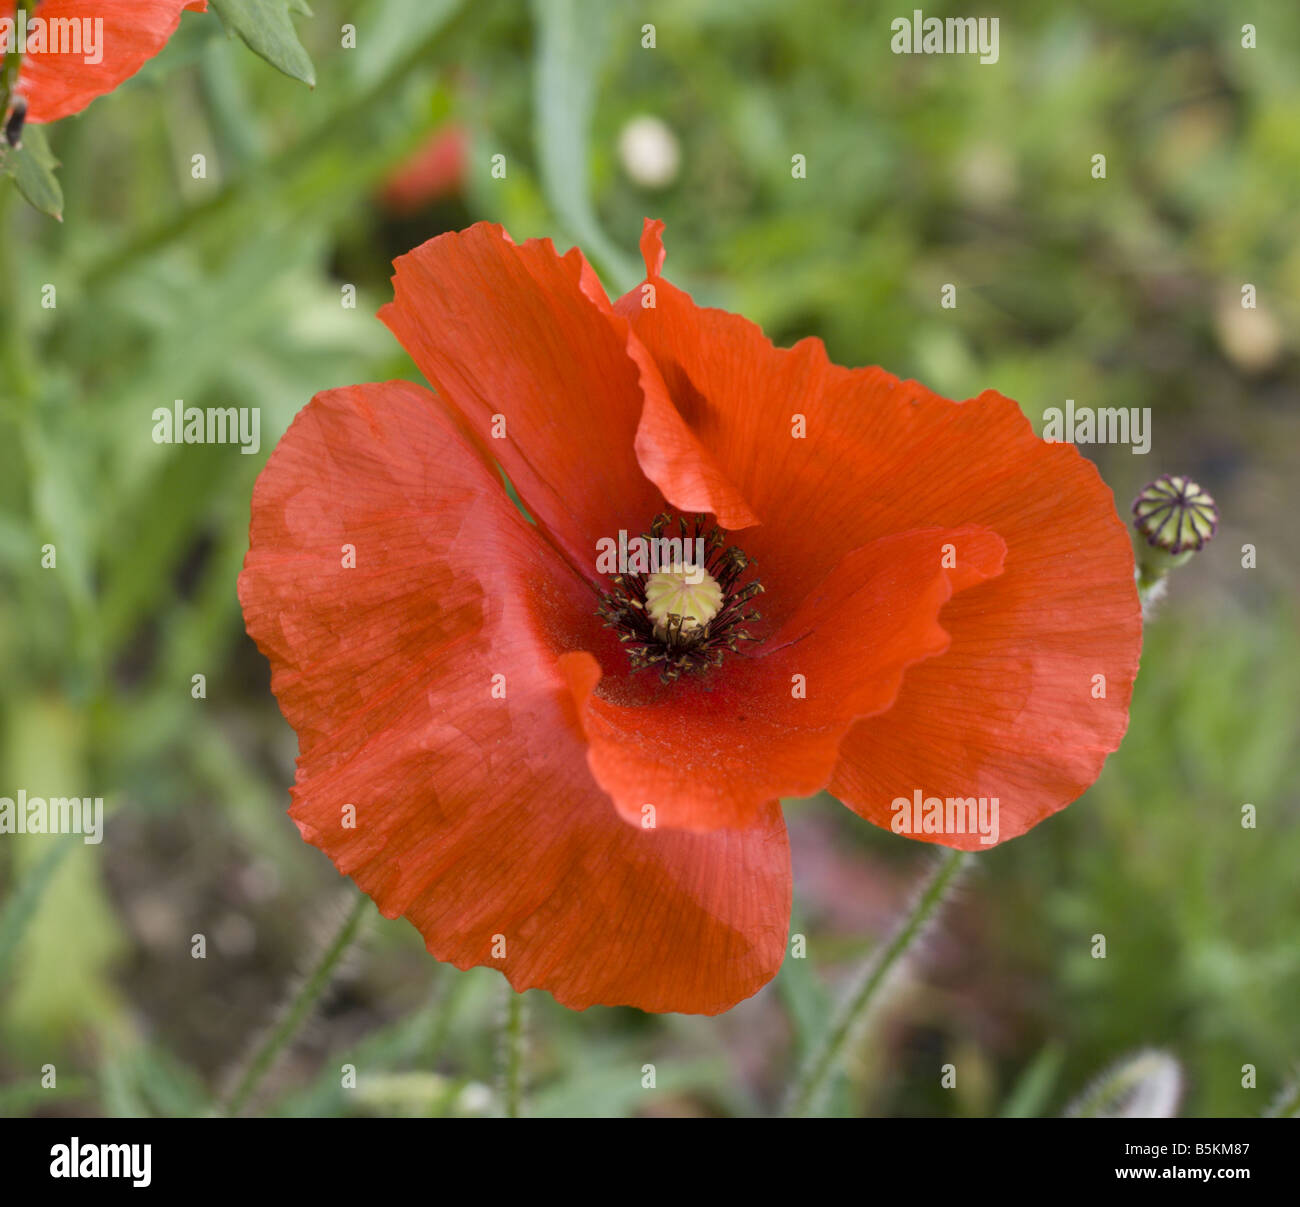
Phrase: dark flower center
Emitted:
{"points": [[679, 605]]}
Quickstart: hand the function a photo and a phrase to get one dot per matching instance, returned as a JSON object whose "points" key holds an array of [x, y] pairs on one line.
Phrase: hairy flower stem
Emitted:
{"points": [[1147, 1085], [874, 974], [513, 1049], [1287, 1104], [298, 1011], [1151, 590]]}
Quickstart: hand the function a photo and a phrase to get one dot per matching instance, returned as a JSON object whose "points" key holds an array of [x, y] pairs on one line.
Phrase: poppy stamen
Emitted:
{"points": [[684, 616]]}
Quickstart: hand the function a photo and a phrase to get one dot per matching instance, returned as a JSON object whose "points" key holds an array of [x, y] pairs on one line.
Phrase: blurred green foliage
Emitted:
{"points": [[920, 171]]}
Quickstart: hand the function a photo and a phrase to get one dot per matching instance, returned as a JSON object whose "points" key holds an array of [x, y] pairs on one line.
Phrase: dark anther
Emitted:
{"points": [[672, 646]]}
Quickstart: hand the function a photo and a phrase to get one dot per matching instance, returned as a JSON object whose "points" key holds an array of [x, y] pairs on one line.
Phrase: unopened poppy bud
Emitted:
{"points": [[14, 126], [688, 592], [649, 151], [1176, 518]]}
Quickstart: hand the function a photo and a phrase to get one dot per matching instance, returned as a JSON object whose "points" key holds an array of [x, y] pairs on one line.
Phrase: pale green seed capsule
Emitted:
{"points": [[1175, 515], [690, 592]]}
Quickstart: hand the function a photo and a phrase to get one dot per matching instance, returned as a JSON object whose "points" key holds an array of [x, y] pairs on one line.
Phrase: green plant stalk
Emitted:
{"points": [[569, 33], [322, 138], [1105, 1097], [817, 1070], [513, 1047], [25, 900], [13, 61], [299, 1010], [12, 358]]}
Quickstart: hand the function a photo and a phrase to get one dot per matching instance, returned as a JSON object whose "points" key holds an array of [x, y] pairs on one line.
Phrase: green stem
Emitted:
{"points": [[26, 898], [824, 1061], [298, 1012], [512, 1055], [1155, 1072], [12, 62], [1152, 588], [322, 138], [15, 366], [11, 353]]}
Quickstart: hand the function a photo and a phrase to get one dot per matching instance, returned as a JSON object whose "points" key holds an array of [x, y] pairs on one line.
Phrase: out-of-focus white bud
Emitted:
{"points": [[650, 152], [1251, 338]]}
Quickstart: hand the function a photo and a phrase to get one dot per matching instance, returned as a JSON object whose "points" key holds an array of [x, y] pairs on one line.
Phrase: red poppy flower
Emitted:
{"points": [[435, 170], [595, 810], [62, 77]]}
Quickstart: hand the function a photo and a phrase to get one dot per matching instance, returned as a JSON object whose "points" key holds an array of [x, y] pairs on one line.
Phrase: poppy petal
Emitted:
{"points": [[1011, 709], [711, 751], [57, 85], [436, 169], [520, 332], [467, 810], [1034, 691], [735, 395], [675, 460]]}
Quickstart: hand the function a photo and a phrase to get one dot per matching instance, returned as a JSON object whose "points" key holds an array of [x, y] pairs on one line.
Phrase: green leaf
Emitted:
{"points": [[22, 905], [66, 935], [32, 168], [1033, 1088], [609, 1092], [266, 28], [807, 1003], [23, 1098], [144, 1080], [573, 36]]}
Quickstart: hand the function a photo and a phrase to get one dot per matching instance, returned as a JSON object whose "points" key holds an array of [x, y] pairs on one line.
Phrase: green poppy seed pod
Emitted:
{"points": [[1176, 518]]}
